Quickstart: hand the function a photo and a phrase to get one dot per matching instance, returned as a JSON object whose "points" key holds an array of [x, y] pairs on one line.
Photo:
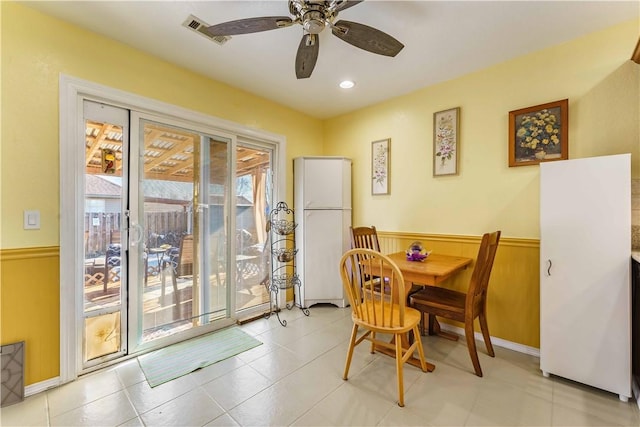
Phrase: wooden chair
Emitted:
{"points": [[464, 307], [364, 237], [380, 312], [181, 263]]}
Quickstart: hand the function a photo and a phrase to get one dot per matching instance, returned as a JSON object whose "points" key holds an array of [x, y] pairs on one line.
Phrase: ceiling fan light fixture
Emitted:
{"points": [[347, 84]]}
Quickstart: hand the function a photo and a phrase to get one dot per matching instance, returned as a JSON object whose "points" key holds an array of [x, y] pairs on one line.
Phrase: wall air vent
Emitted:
{"points": [[198, 25]]}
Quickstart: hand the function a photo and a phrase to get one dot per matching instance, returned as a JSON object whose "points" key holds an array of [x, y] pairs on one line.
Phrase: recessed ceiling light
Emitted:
{"points": [[347, 84]]}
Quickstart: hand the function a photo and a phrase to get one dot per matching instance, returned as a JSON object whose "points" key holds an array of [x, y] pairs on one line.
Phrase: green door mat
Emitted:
{"points": [[182, 358]]}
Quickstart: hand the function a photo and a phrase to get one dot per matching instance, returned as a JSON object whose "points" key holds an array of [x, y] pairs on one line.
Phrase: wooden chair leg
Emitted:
{"points": [[162, 281], [432, 324], [423, 363], [471, 345], [423, 323], [175, 285], [106, 277], [484, 326], [352, 344], [399, 373]]}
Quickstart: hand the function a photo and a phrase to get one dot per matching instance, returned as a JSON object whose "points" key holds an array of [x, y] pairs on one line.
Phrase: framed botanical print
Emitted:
{"points": [[446, 142], [380, 161], [539, 133]]}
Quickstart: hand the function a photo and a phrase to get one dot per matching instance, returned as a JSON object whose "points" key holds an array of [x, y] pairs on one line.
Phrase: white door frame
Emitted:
{"points": [[72, 92]]}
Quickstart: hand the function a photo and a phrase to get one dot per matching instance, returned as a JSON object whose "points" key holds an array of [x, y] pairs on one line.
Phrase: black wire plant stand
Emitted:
{"points": [[282, 229]]}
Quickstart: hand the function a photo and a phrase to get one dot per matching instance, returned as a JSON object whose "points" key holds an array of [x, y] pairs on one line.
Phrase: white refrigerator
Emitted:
{"points": [[322, 205]]}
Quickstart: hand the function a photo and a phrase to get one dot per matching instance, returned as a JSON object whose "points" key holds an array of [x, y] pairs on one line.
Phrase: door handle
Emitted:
{"points": [[549, 267], [136, 237]]}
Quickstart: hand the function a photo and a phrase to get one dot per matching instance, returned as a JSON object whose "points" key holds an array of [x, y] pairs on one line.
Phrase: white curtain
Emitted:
{"points": [[259, 177]]}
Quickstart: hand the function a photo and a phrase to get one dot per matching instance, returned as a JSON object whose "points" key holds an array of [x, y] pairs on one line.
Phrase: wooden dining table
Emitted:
{"points": [[432, 271]]}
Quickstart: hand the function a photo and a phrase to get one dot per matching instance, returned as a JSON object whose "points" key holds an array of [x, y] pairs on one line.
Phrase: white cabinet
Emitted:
{"points": [[322, 201], [585, 254]]}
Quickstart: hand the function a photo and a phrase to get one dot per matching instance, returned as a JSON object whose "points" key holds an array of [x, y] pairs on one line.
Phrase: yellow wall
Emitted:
{"points": [[593, 72], [603, 88], [35, 50], [30, 309]]}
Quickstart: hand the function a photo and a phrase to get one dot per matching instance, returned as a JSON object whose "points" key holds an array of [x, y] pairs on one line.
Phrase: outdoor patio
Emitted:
{"points": [[166, 312]]}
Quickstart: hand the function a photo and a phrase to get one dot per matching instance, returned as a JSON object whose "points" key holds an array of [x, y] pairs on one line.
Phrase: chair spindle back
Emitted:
{"points": [[369, 305], [364, 237]]}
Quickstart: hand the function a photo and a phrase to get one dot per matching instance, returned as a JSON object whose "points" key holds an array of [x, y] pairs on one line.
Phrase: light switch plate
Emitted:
{"points": [[32, 220]]}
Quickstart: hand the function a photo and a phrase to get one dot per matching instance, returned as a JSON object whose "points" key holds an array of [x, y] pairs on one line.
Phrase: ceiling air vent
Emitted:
{"points": [[198, 25]]}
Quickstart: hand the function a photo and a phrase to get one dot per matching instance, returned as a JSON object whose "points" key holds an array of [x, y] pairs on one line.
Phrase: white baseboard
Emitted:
{"points": [[495, 341], [41, 386]]}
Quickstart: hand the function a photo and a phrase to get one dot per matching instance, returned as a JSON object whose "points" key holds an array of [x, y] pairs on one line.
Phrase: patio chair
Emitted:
{"points": [[180, 262], [112, 264]]}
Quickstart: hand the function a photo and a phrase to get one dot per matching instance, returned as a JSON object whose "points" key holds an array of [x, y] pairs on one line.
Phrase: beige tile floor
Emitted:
{"points": [[295, 378]]}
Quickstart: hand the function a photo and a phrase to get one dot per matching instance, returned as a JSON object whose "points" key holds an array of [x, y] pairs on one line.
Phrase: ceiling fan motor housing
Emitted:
{"points": [[313, 15], [313, 22]]}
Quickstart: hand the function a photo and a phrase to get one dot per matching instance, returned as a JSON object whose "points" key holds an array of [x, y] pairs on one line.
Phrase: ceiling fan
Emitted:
{"points": [[314, 16]]}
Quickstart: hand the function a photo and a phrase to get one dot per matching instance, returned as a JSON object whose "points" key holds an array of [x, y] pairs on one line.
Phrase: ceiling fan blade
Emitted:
{"points": [[347, 4], [307, 55], [367, 38], [249, 25]]}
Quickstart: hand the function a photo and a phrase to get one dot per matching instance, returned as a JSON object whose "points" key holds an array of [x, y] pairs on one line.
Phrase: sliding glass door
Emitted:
{"points": [[180, 252], [170, 231], [198, 256]]}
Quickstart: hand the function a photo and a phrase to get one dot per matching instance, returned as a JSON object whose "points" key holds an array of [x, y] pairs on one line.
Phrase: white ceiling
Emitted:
{"points": [[443, 40]]}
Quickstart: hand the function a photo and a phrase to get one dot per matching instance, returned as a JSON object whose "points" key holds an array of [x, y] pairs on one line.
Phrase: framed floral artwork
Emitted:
{"points": [[446, 141], [380, 161], [539, 133]]}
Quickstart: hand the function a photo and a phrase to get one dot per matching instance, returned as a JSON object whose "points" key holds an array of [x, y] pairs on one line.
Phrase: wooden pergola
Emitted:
{"points": [[168, 153]]}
